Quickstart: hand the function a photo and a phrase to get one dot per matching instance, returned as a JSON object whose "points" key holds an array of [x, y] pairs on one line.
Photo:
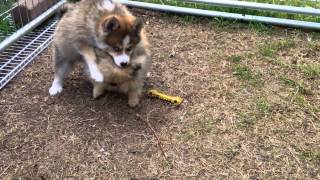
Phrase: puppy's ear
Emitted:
{"points": [[137, 26], [105, 5], [110, 25]]}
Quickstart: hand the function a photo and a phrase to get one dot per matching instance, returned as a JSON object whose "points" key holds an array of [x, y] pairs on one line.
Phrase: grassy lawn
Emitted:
{"points": [[5, 28], [5, 5]]}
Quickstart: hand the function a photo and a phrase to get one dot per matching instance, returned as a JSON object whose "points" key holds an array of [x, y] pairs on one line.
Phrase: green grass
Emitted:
{"points": [[200, 127], [300, 3], [262, 28], [5, 29], [188, 19], [203, 126], [313, 46], [279, 62], [262, 106], [310, 70], [167, 164], [243, 72], [222, 22], [301, 89], [299, 94], [235, 58], [287, 81], [228, 24], [310, 156], [304, 103], [245, 120], [5, 5], [231, 152], [270, 49]]}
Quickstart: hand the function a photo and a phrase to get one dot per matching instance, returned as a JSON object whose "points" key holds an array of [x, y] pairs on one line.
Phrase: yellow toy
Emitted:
{"points": [[172, 99]]}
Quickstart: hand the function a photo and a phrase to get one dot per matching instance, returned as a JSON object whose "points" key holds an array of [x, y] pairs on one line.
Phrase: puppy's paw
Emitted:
{"points": [[98, 90], [137, 67], [55, 89], [97, 93], [97, 76], [95, 73], [133, 102]]}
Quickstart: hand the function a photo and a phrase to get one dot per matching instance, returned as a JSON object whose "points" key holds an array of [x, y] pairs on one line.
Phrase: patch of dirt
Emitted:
{"points": [[216, 133]]}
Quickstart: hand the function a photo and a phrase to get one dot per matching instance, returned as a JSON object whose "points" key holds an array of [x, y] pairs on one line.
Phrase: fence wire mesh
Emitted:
{"points": [[22, 52], [240, 10], [17, 15], [298, 3]]}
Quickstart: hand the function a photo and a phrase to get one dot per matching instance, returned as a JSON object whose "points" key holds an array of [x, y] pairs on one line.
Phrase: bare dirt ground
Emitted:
{"points": [[251, 111]]}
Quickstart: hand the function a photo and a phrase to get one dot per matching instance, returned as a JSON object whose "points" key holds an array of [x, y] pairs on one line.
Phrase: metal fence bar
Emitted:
{"points": [[31, 25], [201, 12], [261, 6], [22, 52]]}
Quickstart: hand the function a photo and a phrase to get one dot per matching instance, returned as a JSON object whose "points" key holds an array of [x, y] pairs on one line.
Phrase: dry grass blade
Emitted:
{"points": [[154, 133]]}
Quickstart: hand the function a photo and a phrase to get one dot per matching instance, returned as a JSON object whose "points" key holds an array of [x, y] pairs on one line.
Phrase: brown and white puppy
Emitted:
{"points": [[129, 79], [88, 25]]}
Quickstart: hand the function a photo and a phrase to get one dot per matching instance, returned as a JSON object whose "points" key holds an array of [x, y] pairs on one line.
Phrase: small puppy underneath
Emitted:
{"points": [[128, 80]]}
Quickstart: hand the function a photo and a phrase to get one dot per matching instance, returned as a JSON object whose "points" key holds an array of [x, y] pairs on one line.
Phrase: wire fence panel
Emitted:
{"points": [[293, 13], [297, 3], [261, 6], [23, 51], [22, 33]]}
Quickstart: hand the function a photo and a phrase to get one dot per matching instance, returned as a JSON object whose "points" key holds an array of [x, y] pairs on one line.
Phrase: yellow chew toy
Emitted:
{"points": [[172, 99]]}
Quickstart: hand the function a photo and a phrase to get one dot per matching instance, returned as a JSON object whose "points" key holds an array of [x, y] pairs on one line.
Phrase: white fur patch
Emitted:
{"points": [[126, 41], [95, 72], [123, 58], [106, 5], [56, 87]]}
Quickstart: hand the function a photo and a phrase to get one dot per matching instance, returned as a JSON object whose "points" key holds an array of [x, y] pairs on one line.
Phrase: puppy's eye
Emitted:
{"points": [[128, 49], [117, 49]]}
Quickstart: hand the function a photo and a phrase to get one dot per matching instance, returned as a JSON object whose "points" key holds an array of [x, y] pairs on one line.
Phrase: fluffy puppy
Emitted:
{"points": [[89, 25]]}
